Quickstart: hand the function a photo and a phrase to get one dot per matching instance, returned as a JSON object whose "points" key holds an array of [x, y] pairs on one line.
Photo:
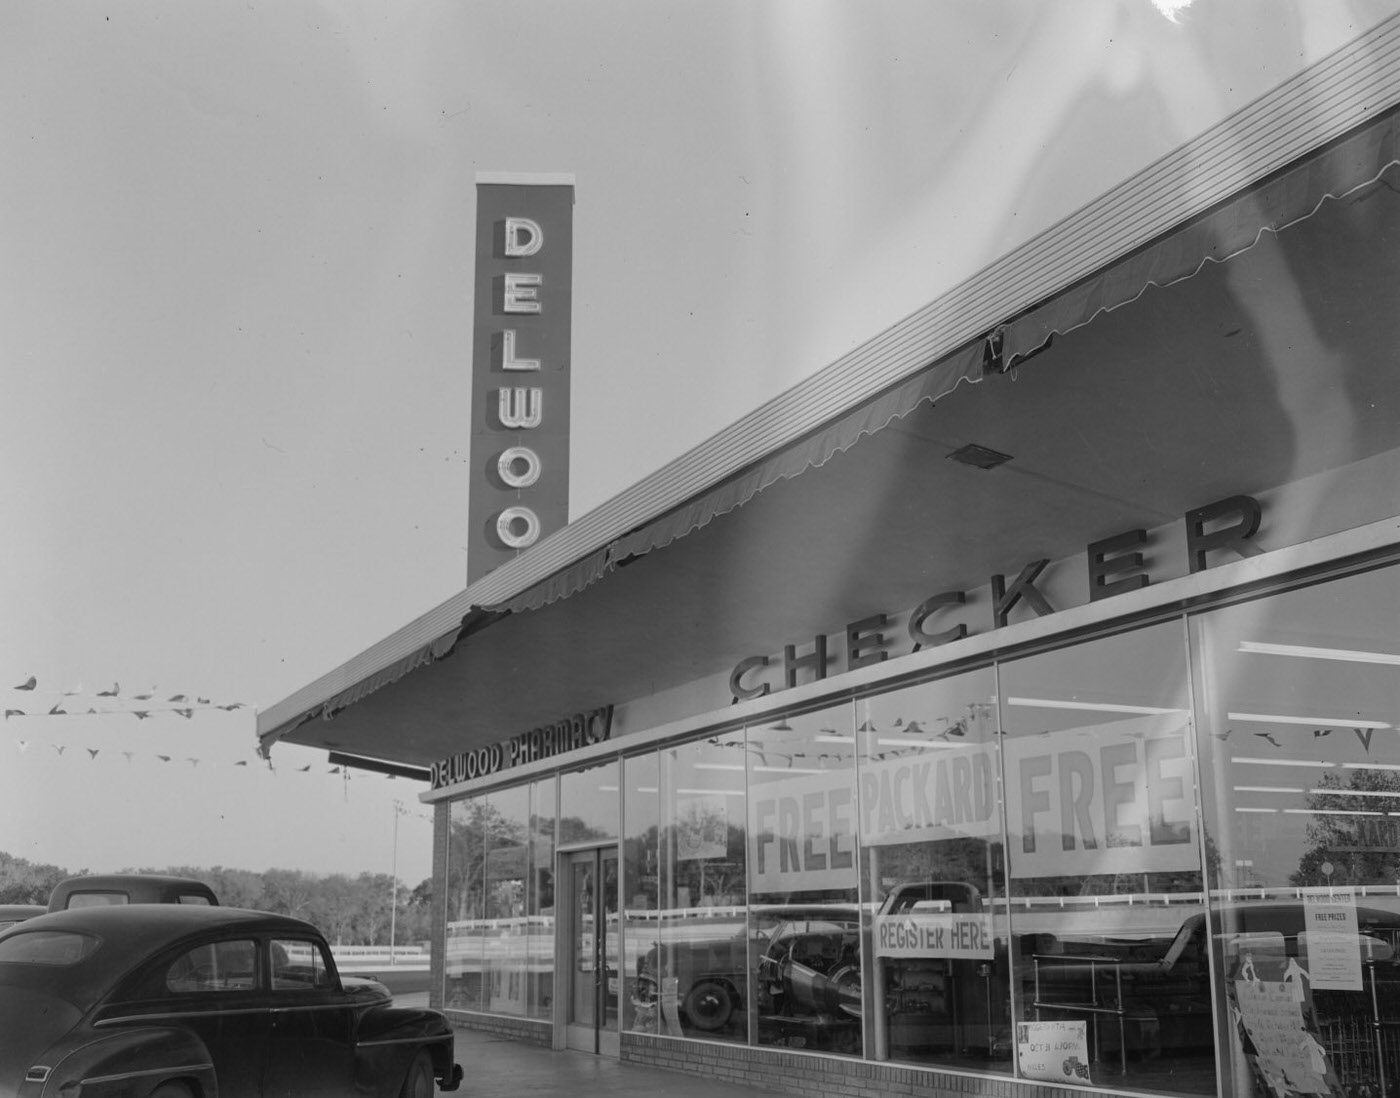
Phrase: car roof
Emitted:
{"points": [[158, 922], [140, 887], [129, 935]]}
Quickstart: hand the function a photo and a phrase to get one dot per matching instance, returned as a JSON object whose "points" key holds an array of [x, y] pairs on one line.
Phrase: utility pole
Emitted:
{"points": [[399, 810]]}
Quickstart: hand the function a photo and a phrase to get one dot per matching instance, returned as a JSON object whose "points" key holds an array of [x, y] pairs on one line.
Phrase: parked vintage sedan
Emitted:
{"points": [[176, 1001]]}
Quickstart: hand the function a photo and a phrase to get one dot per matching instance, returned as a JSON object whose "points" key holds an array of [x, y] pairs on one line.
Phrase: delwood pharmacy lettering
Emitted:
{"points": [[1116, 565], [568, 734]]}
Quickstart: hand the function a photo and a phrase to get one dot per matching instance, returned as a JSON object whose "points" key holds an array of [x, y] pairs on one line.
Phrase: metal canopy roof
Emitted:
{"points": [[1183, 394]]}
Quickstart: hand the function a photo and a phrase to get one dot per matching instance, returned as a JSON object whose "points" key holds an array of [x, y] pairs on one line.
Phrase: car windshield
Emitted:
{"points": [[47, 947]]}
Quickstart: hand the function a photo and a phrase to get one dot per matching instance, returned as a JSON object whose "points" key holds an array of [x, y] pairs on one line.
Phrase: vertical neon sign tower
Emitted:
{"points": [[523, 305]]}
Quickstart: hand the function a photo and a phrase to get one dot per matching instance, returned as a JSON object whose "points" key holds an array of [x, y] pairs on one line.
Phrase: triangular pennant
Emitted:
{"points": [[1364, 735]]}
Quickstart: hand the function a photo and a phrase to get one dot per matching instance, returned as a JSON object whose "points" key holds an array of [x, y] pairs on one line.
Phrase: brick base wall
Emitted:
{"points": [[818, 1076], [527, 1030]]}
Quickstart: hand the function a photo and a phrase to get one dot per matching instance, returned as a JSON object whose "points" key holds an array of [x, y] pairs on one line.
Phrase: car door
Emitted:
{"points": [[311, 1042], [213, 991]]}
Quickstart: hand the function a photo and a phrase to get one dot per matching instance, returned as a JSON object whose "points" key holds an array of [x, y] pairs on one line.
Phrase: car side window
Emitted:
{"points": [[298, 964], [218, 966]]}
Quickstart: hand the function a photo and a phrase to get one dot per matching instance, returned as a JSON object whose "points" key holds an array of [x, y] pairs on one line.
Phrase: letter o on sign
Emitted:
{"points": [[506, 531], [507, 462]]}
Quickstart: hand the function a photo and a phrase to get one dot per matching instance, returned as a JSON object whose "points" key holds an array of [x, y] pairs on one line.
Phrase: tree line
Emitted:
{"points": [[347, 910]]}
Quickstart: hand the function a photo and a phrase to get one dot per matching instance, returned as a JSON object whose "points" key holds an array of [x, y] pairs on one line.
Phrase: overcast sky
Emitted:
{"points": [[235, 317]]}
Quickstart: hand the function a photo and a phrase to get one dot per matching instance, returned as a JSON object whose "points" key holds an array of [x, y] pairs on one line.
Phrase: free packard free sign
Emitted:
{"points": [[523, 306]]}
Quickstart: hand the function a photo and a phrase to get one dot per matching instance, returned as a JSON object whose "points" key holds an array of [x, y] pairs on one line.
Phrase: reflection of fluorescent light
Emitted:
{"points": [[1258, 648], [1371, 766], [1097, 707], [647, 789], [1272, 810], [726, 792], [1316, 722], [607, 789], [1266, 789], [760, 769], [1332, 812], [1351, 792], [895, 741], [1281, 762], [835, 738]]}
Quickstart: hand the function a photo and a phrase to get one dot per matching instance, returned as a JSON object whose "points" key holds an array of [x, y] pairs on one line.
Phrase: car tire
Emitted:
{"points": [[418, 1083], [709, 1006], [171, 1090]]}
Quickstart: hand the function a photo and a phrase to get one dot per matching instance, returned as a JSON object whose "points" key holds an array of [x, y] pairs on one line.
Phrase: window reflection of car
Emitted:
{"points": [[709, 959], [805, 960], [176, 1001], [129, 888], [1157, 991]]}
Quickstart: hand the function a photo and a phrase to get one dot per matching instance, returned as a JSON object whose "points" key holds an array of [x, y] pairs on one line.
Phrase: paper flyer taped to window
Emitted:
{"points": [[1333, 939], [702, 828], [1055, 1051], [1287, 1053]]}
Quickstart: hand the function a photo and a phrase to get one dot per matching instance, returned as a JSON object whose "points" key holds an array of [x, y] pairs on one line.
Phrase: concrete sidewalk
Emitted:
{"points": [[494, 1067]]}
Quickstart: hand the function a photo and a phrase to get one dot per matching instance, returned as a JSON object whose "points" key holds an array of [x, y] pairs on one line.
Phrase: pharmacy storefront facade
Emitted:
{"points": [[1028, 724]]}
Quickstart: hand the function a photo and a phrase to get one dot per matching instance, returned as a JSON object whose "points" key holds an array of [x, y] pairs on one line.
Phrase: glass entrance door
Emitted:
{"points": [[592, 966]]}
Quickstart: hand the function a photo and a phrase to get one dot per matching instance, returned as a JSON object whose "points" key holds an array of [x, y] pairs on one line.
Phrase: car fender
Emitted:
{"points": [[389, 1037], [131, 1061]]}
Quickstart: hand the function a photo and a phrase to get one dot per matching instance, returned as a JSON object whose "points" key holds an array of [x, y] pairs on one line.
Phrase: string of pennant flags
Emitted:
{"points": [[181, 704], [151, 705], [1362, 734]]}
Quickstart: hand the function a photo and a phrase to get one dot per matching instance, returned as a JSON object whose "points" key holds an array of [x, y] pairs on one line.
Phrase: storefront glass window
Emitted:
{"points": [[588, 804], [487, 871], [692, 957], [641, 879], [804, 918], [1104, 863], [931, 832], [1300, 702], [539, 896]]}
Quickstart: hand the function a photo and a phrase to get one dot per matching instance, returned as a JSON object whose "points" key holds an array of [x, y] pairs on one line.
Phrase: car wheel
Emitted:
{"points": [[418, 1083], [709, 1006], [170, 1090]]}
